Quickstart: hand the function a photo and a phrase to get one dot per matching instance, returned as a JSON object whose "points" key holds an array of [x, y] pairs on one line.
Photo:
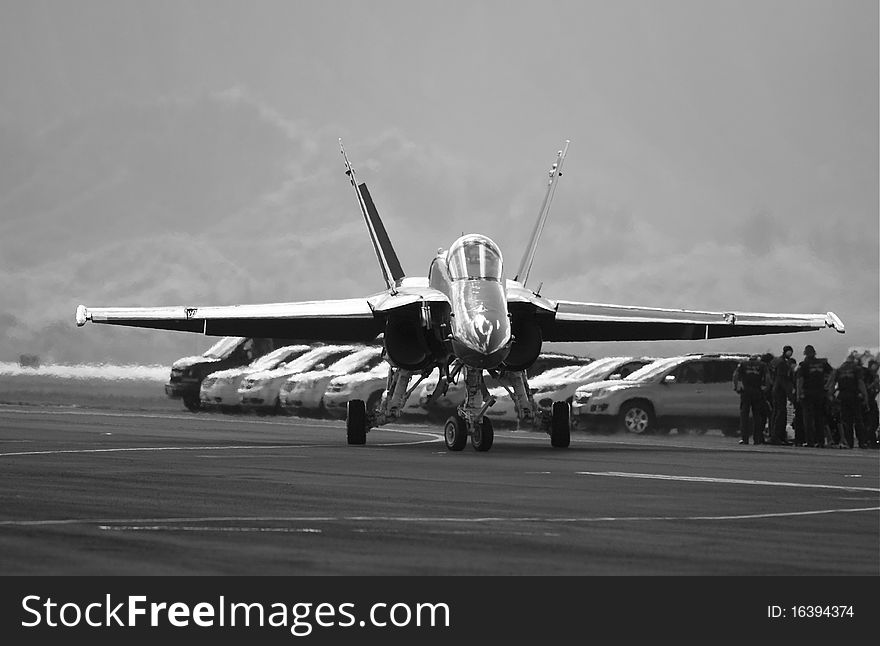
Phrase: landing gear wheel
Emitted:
{"points": [[455, 433], [192, 403], [637, 418], [483, 435], [560, 425], [356, 422]]}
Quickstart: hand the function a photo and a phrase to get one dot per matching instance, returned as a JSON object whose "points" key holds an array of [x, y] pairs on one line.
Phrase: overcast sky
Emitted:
{"points": [[724, 155]]}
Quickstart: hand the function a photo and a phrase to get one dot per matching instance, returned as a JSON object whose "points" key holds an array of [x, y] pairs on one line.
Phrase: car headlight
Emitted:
{"points": [[582, 398]]}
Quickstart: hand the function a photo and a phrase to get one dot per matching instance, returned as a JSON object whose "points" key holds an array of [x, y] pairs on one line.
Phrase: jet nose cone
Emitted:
{"points": [[483, 329]]}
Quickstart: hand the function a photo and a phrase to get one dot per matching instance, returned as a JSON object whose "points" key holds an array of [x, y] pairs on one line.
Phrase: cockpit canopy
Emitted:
{"points": [[474, 257]]}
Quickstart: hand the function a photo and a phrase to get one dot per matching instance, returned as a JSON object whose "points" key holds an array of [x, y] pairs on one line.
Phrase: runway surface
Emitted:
{"points": [[117, 492]]}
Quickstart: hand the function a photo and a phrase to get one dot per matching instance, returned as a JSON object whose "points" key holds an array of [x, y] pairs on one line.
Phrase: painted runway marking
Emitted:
{"points": [[242, 447], [208, 528], [431, 437], [287, 421], [657, 476], [122, 522]]}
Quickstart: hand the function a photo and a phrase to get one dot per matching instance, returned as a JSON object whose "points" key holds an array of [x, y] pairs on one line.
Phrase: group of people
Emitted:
{"points": [[833, 407]]}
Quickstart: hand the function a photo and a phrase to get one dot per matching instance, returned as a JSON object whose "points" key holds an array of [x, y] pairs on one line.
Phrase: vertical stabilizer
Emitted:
{"points": [[392, 271], [525, 265]]}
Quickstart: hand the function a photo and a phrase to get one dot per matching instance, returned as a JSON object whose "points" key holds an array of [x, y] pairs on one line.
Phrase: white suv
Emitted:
{"points": [[690, 391]]}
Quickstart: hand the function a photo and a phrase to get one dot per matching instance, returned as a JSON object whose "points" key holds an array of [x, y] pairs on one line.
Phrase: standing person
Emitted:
{"points": [[811, 385], [797, 422], [767, 409], [853, 398], [781, 392], [750, 379], [872, 386]]}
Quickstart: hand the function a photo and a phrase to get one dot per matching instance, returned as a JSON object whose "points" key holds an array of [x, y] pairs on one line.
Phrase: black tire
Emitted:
{"points": [[455, 433], [192, 403], [483, 435], [560, 425], [637, 417], [356, 422]]}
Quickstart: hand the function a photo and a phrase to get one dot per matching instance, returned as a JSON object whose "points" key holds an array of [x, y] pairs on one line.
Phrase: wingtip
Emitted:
{"points": [[833, 321], [82, 315]]}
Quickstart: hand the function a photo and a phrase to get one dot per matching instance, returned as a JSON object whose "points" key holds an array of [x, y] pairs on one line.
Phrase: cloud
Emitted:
{"points": [[221, 199]]}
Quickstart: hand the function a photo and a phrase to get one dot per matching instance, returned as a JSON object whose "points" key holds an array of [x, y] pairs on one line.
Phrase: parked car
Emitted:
{"points": [[260, 391], [220, 389], [560, 384], [690, 391], [187, 373], [303, 393], [367, 386], [445, 404]]}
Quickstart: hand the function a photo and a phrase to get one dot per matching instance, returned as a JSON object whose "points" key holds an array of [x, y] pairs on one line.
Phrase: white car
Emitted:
{"points": [[220, 389], [560, 384], [445, 404], [689, 391], [366, 386], [260, 391], [303, 393], [553, 386]]}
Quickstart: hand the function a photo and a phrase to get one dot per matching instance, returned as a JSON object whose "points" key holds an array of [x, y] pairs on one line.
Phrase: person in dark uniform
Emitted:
{"points": [[853, 398], [811, 385], [797, 423], [767, 408], [872, 386], [750, 379], [781, 392]]}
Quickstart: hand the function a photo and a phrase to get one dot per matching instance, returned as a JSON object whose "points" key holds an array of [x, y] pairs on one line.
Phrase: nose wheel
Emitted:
{"points": [[483, 435], [455, 433]]}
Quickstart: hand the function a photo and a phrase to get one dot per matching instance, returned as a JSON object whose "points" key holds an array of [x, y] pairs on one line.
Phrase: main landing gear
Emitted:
{"points": [[470, 419]]}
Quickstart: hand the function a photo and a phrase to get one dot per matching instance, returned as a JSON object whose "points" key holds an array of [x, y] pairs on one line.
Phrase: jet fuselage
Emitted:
{"points": [[470, 275]]}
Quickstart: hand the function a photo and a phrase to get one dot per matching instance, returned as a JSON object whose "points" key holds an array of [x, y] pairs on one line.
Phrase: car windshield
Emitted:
{"points": [[556, 373], [598, 367], [361, 360], [275, 357], [654, 369], [223, 347], [326, 355], [546, 362], [474, 258]]}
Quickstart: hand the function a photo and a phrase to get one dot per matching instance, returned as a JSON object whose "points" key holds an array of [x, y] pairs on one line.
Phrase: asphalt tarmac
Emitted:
{"points": [[140, 492]]}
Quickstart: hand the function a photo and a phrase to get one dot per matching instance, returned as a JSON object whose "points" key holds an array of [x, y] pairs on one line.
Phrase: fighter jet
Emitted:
{"points": [[464, 319]]}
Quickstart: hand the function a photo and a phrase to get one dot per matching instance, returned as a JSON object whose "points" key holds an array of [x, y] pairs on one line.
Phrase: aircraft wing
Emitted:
{"points": [[352, 320], [574, 321]]}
